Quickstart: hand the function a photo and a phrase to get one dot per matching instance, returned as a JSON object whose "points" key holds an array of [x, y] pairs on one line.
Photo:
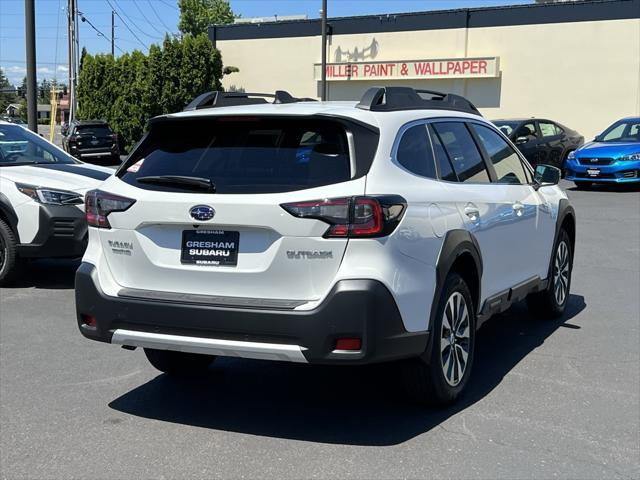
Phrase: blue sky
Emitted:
{"points": [[148, 20]]}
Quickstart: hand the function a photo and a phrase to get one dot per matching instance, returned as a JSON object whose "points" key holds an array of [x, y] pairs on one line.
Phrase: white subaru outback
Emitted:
{"points": [[324, 233]]}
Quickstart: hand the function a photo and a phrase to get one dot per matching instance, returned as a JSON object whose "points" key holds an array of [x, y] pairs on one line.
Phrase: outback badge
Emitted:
{"points": [[202, 212]]}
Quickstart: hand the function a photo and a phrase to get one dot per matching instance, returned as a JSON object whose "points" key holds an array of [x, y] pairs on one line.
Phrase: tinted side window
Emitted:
{"points": [[442, 159], [548, 129], [465, 157], [414, 152], [526, 130], [505, 160]]}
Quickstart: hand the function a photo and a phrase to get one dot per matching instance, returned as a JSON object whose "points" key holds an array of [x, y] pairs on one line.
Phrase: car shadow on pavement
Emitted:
{"points": [[54, 274], [338, 405]]}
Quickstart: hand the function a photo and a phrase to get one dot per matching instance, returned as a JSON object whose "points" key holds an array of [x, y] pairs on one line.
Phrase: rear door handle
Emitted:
{"points": [[518, 208], [472, 212]]}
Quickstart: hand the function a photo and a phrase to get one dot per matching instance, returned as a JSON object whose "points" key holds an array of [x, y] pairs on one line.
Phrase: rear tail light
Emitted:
{"points": [[99, 204], [353, 217]]}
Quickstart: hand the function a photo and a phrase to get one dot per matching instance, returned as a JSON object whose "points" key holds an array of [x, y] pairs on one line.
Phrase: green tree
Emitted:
{"points": [[129, 90], [44, 91], [197, 15], [7, 93]]}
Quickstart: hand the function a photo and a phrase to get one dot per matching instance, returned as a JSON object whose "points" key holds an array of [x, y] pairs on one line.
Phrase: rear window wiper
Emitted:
{"points": [[199, 183]]}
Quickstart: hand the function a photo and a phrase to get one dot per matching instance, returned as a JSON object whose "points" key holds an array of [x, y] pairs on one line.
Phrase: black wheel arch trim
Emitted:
{"points": [[456, 243], [565, 210], [8, 213]]}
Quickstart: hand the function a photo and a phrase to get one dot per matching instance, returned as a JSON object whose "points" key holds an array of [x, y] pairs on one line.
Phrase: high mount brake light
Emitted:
{"points": [[99, 204], [353, 217]]}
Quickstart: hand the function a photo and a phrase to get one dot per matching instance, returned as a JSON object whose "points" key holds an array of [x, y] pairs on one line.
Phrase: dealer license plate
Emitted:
{"points": [[593, 172], [210, 247]]}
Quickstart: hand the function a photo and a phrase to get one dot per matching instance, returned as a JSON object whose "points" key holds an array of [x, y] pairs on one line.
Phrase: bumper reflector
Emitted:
{"points": [[89, 321], [352, 344]]}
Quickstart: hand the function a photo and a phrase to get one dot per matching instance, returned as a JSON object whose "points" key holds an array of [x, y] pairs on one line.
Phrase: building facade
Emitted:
{"points": [[574, 62]]}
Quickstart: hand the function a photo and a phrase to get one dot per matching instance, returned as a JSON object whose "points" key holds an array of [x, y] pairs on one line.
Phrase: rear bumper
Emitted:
{"points": [[62, 233], [362, 309]]}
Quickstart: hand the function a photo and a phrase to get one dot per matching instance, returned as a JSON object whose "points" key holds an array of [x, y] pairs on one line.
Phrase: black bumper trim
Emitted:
{"points": [[62, 233], [354, 308], [211, 300]]}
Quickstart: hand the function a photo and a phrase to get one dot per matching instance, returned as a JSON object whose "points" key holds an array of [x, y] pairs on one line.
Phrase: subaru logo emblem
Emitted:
{"points": [[594, 160], [202, 212]]}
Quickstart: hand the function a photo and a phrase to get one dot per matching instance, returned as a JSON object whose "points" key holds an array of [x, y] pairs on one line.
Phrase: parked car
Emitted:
{"points": [[541, 141], [612, 157], [41, 200], [408, 223], [92, 141], [15, 120]]}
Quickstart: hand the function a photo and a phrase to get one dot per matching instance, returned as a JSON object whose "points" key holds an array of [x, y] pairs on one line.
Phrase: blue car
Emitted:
{"points": [[612, 157]]}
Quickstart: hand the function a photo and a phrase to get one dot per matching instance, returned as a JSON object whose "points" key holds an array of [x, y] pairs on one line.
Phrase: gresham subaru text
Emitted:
{"points": [[331, 233]]}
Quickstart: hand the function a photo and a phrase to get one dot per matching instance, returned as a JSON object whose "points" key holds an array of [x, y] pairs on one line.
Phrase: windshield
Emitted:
{"points": [[240, 155], [19, 146], [622, 131], [507, 127]]}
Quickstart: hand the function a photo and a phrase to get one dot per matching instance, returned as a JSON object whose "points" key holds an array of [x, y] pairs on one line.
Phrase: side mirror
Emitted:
{"points": [[521, 140], [597, 138], [546, 175]]}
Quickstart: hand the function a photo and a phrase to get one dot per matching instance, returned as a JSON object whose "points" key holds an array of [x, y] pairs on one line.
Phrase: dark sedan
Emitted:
{"points": [[92, 141], [541, 141]]}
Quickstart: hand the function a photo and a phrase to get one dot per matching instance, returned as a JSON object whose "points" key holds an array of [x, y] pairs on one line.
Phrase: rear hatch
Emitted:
{"points": [[94, 137], [208, 216]]}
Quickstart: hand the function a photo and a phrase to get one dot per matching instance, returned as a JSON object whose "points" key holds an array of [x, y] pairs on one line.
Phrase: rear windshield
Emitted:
{"points": [[96, 130], [242, 155]]}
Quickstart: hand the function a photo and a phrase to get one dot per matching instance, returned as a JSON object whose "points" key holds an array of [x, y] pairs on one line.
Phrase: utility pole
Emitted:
{"points": [[32, 84], [323, 82], [113, 33], [72, 58]]}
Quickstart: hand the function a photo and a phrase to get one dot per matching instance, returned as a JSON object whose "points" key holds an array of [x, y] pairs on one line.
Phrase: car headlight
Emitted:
{"points": [[50, 196], [572, 155], [631, 158]]}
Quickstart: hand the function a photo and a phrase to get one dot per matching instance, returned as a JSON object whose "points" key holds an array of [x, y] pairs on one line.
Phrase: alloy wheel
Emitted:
{"points": [[455, 339], [561, 273]]}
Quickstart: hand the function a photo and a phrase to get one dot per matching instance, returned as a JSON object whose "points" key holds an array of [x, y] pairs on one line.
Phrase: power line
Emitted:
{"points": [[126, 25], [135, 3], [168, 4], [84, 18], [134, 23], [158, 16]]}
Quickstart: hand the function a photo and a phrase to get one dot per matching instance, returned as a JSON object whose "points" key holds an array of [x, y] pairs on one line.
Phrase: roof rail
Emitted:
{"points": [[229, 99], [392, 99]]}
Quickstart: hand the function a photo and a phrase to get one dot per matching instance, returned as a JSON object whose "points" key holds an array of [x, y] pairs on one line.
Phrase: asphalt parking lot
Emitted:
{"points": [[547, 399]]}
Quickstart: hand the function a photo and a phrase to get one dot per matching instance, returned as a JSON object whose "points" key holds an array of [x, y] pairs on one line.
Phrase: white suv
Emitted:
{"points": [[327, 233], [41, 200]]}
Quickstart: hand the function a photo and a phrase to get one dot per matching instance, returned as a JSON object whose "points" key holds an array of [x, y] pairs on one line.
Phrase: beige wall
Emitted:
{"points": [[582, 74]]}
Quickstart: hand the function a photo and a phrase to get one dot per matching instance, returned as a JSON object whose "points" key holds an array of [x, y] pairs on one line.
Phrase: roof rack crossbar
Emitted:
{"points": [[227, 99], [390, 99]]}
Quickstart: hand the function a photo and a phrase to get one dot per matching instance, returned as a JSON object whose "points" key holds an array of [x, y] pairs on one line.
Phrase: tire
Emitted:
{"points": [[9, 261], [179, 364], [552, 302], [583, 185], [434, 380]]}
